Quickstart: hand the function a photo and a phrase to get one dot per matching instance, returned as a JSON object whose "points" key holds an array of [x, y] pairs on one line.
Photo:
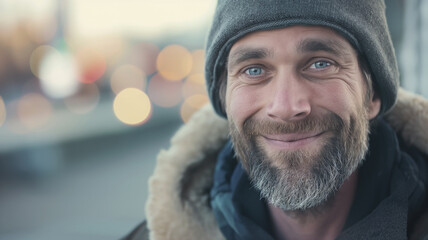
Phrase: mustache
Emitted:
{"points": [[328, 122]]}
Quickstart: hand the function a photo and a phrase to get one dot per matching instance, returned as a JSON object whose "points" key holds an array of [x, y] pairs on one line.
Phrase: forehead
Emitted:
{"points": [[291, 37]]}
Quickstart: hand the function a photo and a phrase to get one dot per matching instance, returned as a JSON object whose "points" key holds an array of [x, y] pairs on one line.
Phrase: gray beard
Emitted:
{"points": [[308, 180]]}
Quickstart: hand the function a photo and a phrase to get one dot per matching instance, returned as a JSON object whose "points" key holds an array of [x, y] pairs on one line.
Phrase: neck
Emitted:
{"points": [[324, 222]]}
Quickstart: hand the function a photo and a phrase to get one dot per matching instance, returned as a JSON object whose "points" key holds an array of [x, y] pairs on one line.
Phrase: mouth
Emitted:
{"points": [[291, 141]]}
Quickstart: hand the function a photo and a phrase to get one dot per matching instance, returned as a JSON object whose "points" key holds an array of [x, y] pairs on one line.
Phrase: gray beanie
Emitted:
{"points": [[361, 22]]}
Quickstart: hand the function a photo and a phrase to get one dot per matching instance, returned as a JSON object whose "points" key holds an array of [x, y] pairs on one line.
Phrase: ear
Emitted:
{"points": [[374, 106]]}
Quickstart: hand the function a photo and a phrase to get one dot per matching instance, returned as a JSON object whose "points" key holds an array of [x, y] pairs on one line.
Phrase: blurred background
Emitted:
{"points": [[90, 91]]}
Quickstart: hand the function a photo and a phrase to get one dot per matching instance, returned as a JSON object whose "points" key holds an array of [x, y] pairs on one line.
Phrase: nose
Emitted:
{"points": [[290, 98]]}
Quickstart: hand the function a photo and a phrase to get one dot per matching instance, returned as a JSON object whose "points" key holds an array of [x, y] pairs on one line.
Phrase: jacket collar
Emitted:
{"points": [[178, 204]]}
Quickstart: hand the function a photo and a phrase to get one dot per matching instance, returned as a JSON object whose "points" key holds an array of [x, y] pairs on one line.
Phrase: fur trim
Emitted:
{"points": [[168, 215], [409, 118], [178, 204]]}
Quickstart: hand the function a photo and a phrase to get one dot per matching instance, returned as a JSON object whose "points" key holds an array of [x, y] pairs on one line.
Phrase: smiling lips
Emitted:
{"points": [[292, 140]]}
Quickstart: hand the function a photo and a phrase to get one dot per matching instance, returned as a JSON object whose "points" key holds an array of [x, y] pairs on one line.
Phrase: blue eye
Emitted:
{"points": [[254, 71], [320, 65]]}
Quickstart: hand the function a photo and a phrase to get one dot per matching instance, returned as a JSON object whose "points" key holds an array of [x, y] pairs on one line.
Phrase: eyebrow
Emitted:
{"points": [[305, 46], [327, 45], [245, 53]]}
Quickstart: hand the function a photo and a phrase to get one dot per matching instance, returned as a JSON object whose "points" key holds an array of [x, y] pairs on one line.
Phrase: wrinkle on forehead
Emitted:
{"points": [[333, 46]]}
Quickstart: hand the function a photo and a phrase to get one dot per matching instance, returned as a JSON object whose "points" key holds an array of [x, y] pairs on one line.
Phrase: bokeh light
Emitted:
{"points": [[127, 76], [198, 59], [191, 105], [144, 56], [58, 75], [4, 62], [91, 63], [42, 30], [109, 49], [13, 122], [194, 84], [164, 93], [112, 47], [33, 111], [132, 106], [20, 48], [174, 62], [85, 100], [37, 56], [2, 112]]}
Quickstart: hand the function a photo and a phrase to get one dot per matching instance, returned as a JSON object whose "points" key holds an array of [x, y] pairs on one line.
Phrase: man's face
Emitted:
{"points": [[298, 113]]}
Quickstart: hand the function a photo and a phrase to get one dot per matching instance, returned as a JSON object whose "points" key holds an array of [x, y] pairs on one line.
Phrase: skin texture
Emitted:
{"points": [[292, 94]]}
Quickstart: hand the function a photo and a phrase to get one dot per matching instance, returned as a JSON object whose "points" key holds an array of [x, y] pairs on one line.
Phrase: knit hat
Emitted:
{"points": [[361, 22]]}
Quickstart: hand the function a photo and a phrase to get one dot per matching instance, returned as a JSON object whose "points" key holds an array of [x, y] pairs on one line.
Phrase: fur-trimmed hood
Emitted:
{"points": [[178, 204]]}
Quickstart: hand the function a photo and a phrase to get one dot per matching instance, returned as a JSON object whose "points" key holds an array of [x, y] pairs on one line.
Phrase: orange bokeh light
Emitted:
{"points": [[174, 62], [164, 93], [132, 106], [198, 57]]}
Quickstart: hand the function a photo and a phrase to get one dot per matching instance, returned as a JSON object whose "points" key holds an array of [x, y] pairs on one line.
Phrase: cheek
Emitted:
{"points": [[341, 99], [241, 103]]}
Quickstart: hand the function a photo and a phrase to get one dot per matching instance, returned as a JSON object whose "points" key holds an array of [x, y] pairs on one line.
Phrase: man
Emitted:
{"points": [[305, 87]]}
